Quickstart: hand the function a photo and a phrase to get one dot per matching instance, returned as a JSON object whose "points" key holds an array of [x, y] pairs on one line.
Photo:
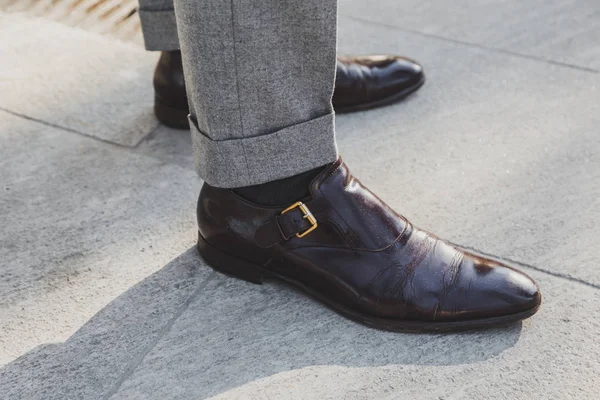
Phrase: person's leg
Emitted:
{"points": [[159, 29], [260, 78], [159, 26], [260, 75], [362, 82]]}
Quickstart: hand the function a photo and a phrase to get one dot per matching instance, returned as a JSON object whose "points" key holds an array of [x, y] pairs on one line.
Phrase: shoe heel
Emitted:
{"points": [[176, 118], [229, 265]]}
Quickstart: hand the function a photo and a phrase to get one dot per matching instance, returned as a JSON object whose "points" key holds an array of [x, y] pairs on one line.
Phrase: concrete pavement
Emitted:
{"points": [[102, 294]]}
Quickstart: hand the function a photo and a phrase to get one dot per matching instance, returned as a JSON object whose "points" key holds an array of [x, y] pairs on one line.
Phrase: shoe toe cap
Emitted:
{"points": [[522, 292], [499, 290], [406, 68]]}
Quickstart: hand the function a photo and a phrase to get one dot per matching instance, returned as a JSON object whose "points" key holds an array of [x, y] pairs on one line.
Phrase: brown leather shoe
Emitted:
{"points": [[361, 83], [347, 248], [170, 98]]}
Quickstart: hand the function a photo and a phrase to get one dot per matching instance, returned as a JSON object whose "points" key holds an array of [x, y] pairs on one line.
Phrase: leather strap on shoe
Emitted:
{"points": [[296, 220]]}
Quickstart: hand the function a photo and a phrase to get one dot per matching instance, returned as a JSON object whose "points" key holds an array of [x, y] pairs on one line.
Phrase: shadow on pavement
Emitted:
{"points": [[209, 333]]}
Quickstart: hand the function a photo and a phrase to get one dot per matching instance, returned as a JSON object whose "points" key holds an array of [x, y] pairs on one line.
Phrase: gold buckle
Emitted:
{"points": [[307, 215]]}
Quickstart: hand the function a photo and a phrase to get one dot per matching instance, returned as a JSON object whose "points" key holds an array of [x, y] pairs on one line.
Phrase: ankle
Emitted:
{"points": [[281, 192]]}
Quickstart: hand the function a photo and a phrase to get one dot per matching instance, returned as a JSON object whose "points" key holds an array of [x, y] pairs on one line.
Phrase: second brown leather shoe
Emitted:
{"points": [[347, 248], [170, 98], [361, 83]]}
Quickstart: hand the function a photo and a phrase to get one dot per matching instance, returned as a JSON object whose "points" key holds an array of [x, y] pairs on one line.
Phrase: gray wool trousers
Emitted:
{"points": [[259, 77]]}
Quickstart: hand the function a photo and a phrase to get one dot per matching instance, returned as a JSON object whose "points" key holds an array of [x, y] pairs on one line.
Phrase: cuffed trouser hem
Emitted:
{"points": [[252, 161], [159, 28]]}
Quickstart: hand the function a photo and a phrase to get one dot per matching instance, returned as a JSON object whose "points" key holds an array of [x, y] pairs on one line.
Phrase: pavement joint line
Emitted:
{"points": [[137, 360], [473, 45], [523, 264], [71, 130], [146, 137]]}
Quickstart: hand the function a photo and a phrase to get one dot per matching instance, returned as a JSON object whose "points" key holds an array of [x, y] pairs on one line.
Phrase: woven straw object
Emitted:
{"points": [[117, 18]]}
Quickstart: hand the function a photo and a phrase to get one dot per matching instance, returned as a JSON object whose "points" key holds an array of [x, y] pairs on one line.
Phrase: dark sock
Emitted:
{"points": [[282, 191]]}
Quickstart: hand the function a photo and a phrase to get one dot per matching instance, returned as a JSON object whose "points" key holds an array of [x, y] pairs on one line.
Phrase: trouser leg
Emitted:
{"points": [[158, 25], [259, 76]]}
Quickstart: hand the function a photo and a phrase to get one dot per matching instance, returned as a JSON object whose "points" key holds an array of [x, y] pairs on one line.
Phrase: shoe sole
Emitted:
{"points": [[383, 102], [176, 118], [245, 270]]}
